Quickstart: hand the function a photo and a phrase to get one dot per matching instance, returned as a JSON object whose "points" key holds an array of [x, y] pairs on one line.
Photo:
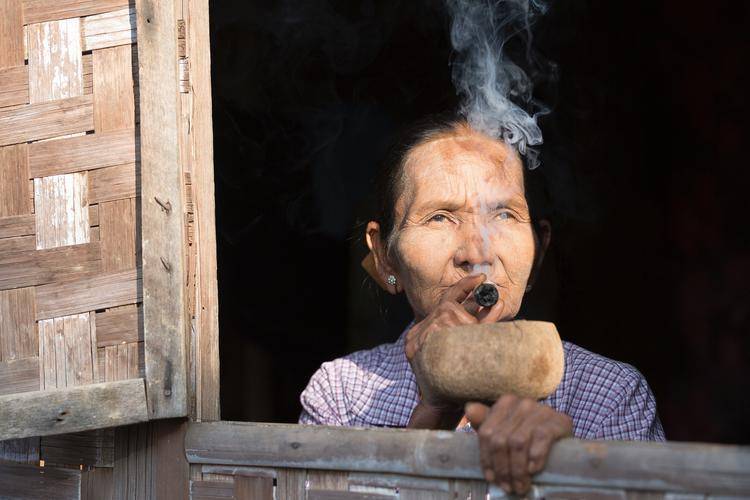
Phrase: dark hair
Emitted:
{"points": [[388, 181]]}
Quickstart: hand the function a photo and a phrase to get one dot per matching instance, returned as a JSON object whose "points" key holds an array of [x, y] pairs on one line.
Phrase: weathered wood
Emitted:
{"points": [[14, 86], [17, 225], [118, 325], [11, 34], [290, 483], [25, 269], [162, 225], [19, 375], [44, 120], [88, 294], [114, 102], [55, 68], [109, 29], [25, 451], [90, 448], [18, 336], [37, 11], [114, 183], [253, 488], [66, 354], [72, 409], [327, 480], [117, 234], [86, 152], [15, 198], [201, 149], [18, 244], [677, 467], [343, 495], [121, 361], [97, 484], [22, 481], [61, 207], [171, 468], [211, 490]]}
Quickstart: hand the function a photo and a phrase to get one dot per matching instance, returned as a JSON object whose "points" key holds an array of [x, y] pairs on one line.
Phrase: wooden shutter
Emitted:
{"points": [[95, 221]]}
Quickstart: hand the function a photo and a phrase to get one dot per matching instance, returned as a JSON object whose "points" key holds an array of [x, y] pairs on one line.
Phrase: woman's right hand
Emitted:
{"points": [[453, 309]]}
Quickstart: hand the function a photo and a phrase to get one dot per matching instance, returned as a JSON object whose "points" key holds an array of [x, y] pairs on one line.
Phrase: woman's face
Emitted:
{"points": [[462, 210]]}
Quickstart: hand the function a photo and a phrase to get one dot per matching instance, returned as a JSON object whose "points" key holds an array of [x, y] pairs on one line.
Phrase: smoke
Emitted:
{"points": [[496, 94]]}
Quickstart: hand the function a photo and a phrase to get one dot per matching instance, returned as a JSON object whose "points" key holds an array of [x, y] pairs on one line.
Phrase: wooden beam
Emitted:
{"points": [[675, 467], [162, 233], [14, 86], [109, 29], [31, 481], [202, 161], [72, 409], [17, 225]]}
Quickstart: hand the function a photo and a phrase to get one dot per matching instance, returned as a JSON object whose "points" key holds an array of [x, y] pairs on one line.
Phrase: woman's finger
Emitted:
{"points": [[520, 443], [459, 291], [492, 314]]}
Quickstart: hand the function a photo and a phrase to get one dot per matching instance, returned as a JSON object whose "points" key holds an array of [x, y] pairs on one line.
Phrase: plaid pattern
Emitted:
{"points": [[376, 388]]}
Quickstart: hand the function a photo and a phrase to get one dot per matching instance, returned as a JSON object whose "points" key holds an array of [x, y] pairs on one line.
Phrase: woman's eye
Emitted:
{"points": [[438, 218], [505, 216]]}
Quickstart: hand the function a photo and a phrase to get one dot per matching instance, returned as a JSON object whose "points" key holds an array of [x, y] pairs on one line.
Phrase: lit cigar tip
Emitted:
{"points": [[486, 294]]}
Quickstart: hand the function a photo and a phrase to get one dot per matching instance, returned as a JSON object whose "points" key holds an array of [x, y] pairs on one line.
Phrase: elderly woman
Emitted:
{"points": [[454, 212]]}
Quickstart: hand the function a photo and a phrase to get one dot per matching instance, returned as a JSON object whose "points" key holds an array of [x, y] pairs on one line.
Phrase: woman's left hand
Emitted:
{"points": [[515, 437]]}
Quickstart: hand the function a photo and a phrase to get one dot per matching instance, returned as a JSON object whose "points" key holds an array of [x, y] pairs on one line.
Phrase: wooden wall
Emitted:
{"points": [[71, 233]]}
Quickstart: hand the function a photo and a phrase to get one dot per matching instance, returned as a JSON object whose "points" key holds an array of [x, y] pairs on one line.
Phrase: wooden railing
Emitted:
{"points": [[255, 460]]}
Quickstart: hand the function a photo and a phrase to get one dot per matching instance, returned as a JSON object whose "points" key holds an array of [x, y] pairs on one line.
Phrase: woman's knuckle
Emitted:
{"points": [[517, 442]]}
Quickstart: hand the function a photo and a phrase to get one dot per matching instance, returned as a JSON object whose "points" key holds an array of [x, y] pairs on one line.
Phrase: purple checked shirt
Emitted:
{"points": [[376, 388]]}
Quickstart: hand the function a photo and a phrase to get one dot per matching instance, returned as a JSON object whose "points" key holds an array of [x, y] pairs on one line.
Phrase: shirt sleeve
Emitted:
{"points": [[319, 399], [634, 416]]}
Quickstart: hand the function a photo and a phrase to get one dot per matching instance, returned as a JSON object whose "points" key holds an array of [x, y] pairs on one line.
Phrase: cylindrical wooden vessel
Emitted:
{"points": [[483, 362]]}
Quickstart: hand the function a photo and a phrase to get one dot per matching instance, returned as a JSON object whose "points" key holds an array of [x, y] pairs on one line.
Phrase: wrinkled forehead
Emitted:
{"points": [[462, 161]]}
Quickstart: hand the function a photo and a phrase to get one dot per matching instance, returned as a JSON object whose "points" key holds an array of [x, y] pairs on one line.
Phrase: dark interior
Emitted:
{"points": [[643, 158]]}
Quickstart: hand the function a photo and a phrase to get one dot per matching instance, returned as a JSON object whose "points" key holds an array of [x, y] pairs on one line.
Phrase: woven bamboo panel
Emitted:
{"points": [[70, 284]]}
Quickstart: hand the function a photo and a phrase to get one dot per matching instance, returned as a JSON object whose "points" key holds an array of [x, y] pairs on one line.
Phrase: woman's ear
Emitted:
{"points": [[542, 237], [376, 263]]}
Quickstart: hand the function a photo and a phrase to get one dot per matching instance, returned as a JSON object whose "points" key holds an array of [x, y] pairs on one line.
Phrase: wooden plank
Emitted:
{"points": [[109, 29], [61, 209], [113, 183], [162, 236], [114, 102], [676, 467], [253, 488], [11, 34], [24, 481], [97, 484], [15, 198], [19, 375], [327, 480], [55, 68], [170, 468], [18, 225], [72, 409], [468, 490], [24, 269], [19, 244], [118, 325], [343, 495], [14, 86], [290, 483], [66, 353], [88, 294], [37, 11], [117, 233], [49, 119], [25, 451], [121, 362], [211, 490], [201, 149], [86, 152], [89, 448], [18, 335]]}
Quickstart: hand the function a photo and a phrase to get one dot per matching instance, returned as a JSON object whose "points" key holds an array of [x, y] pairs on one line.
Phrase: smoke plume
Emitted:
{"points": [[496, 94]]}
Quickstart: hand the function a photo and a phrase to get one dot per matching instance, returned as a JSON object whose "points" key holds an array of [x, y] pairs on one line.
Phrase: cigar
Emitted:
{"points": [[486, 294]]}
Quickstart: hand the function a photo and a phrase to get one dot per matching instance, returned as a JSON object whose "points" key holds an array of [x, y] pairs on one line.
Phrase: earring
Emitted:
{"points": [[391, 280]]}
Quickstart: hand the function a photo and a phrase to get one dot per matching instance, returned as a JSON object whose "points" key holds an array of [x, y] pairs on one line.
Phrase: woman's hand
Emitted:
{"points": [[453, 309], [515, 437]]}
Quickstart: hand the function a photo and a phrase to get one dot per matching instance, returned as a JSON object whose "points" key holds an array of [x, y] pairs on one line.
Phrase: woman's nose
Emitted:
{"points": [[474, 247]]}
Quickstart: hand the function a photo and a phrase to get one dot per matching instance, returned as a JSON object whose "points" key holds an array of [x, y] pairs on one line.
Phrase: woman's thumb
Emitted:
{"points": [[476, 413]]}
